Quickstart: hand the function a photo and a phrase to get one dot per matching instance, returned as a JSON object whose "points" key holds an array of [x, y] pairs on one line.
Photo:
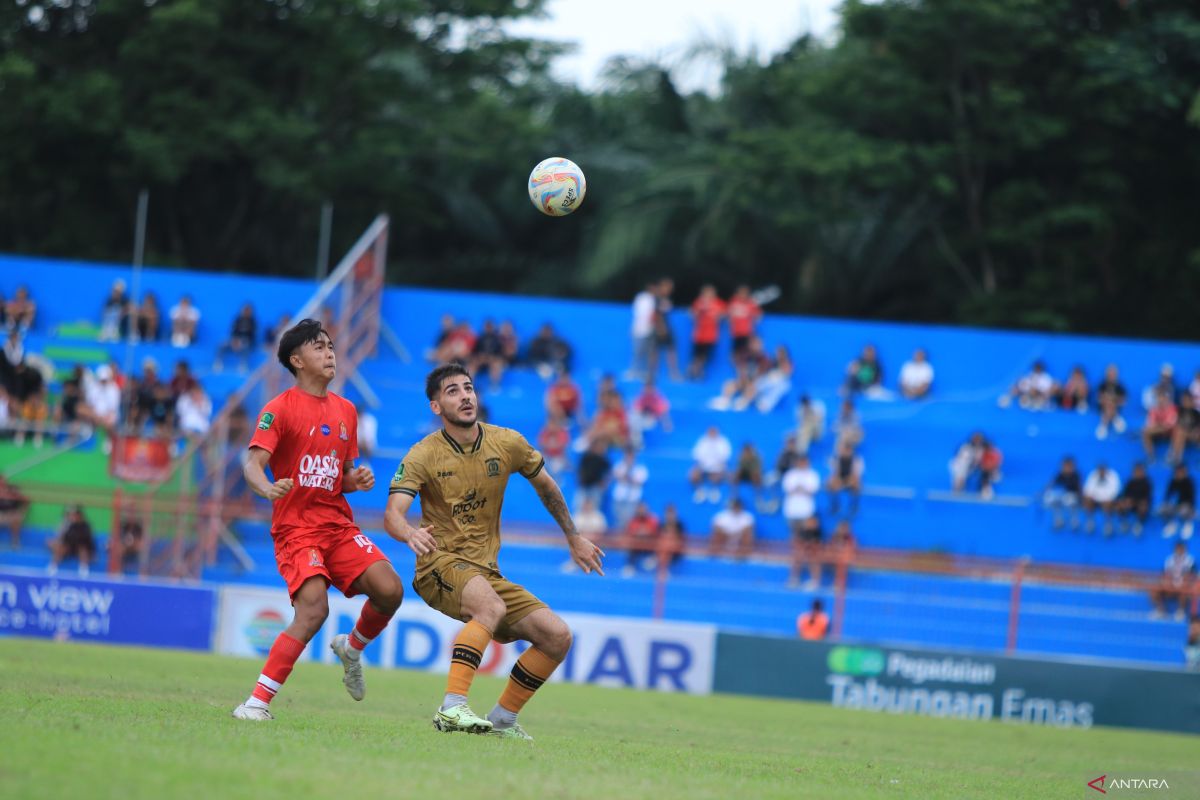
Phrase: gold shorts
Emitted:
{"points": [[440, 583]]}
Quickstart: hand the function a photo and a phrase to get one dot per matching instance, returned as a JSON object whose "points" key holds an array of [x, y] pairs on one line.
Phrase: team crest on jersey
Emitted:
{"points": [[399, 476], [493, 467], [314, 557], [325, 430], [264, 423], [342, 433]]}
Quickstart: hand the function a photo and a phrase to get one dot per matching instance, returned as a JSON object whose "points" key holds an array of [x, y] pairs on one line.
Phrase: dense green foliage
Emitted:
{"points": [[127, 723], [1007, 162]]}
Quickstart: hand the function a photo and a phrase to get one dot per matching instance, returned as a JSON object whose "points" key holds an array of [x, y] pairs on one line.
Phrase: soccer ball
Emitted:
{"points": [[557, 186]]}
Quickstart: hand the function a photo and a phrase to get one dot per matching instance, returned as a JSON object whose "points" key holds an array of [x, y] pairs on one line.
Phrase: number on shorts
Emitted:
{"points": [[362, 541]]}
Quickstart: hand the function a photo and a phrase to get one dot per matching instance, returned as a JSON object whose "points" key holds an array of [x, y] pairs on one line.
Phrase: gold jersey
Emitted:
{"points": [[462, 488]]}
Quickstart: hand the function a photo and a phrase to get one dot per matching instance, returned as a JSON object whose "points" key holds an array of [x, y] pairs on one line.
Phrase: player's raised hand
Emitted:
{"points": [[363, 478], [586, 554], [279, 489], [421, 541]]}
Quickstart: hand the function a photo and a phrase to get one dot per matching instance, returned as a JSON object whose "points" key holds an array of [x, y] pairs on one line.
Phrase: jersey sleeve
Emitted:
{"points": [[524, 457], [412, 474], [271, 423]]}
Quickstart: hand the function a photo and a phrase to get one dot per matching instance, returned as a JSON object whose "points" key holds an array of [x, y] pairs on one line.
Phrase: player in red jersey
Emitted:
{"points": [[305, 436]]}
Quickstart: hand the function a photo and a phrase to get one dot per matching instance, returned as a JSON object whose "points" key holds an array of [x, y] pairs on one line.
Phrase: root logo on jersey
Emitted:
{"points": [[264, 424], [320, 472], [471, 502], [262, 630]]}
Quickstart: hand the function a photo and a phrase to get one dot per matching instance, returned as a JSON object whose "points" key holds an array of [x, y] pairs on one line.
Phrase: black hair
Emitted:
{"points": [[433, 382], [300, 334]]}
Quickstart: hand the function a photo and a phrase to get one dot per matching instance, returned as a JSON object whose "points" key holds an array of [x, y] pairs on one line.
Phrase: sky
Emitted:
{"points": [[664, 29]]}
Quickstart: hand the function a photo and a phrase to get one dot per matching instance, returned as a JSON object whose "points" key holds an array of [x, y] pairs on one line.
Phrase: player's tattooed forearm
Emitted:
{"points": [[556, 504]]}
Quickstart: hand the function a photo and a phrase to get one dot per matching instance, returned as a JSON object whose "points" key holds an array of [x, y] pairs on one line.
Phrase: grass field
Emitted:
{"points": [[86, 721]]}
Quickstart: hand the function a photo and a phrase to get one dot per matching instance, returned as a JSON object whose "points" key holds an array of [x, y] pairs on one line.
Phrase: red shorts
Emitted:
{"points": [[339, 556]]}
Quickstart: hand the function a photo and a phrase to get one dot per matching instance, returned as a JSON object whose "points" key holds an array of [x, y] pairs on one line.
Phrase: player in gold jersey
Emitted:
{"points": [[461, 472]]}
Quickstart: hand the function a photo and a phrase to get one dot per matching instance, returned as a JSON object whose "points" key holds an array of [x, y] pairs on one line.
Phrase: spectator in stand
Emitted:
{"points": [[744, 315], [27, 395], [845, 475], [1064, 493], [132, 535], [446, 328], [488, 353], [1191, 650], [707, 312], [813, 625], [774, 384], [1033, 391], [243, 333], [748, 471], [732, 525], [590, 522], [185, 318], [368, 432], [1073, 394], [20, 311], [114, 315], [783, 462], [1165, 385], [14, 353], [14, 507], [193, 410], [651, 409], [74, 540], [610, 426], [848, 427], [865, 374], [978, 458], [564, 399], [843, 541], [102, 403], [806, 553], [738, 392], [456, 346], [810, 422], [1100, 491], [4, 414], [153, 400], [149, 318], [629, 478], [182, 379], [710, 457], [1194, 388], [510, 344], [273, 333], [1160, 424], [916, 376], [593, 475], [642, 533], [1111, 396], [1134, 500], [549, 353], [1187, 428], [553, 441], [672, 533], [641, 331], [664, 337], [800, 486], [1179, 504], [70, 398], [1179, 574]]}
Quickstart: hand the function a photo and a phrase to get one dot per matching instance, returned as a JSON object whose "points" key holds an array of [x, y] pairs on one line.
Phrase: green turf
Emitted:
{"points": [[96, 721]]}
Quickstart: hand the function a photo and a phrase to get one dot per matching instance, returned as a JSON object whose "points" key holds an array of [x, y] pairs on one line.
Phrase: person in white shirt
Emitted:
{"points": [[1100, 491], [810, 422], [733, 524], [184, 319], [642, 330], [589, 520], [1179, 571], [711, 455], [1033, 391], [368, 432], [628, 479], [193, 409], [101, 400], [916, 376], [800, 485]]}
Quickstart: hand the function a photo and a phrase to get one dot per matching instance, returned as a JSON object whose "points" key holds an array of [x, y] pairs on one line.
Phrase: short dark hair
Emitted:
{"points": [[433, 382], [300, 334]]}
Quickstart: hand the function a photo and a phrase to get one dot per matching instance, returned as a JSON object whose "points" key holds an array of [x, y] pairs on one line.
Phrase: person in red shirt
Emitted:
{"points": [[814, 624], [642, 533], [564, 399], [1160, 423], [744, 315], [707, 312], [308, 436]]}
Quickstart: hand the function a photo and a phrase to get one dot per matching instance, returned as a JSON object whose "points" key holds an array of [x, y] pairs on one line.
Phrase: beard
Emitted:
{"points": [[461, 418]]}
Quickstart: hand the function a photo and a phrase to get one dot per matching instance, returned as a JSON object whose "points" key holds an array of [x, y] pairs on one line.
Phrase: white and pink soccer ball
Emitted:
{"points": [[557, 186]]}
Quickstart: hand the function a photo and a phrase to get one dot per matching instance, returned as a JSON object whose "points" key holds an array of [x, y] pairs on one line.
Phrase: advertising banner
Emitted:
{"points": [[607, 651], [116, 612], [903, 680]]}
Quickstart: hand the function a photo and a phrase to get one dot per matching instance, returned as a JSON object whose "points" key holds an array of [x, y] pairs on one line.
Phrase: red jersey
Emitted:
{"points": [[566, 396], [743, 314], [708, 320], [312, 440]]}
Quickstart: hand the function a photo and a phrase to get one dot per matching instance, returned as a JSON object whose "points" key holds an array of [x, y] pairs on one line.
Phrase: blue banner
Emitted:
{"points": [[116, 612]]}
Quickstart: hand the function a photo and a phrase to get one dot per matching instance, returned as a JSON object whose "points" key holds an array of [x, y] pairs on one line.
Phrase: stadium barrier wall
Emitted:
{"points": [[906, 680], [608, 651], [113, 612]]}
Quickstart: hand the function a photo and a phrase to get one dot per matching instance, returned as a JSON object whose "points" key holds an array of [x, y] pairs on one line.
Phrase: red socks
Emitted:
{"points": [[279, 665], [370, 624]]}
